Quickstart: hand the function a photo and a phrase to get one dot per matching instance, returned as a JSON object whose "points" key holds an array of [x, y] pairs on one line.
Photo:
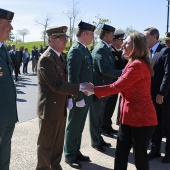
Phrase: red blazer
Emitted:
{"points": [[134, 85]]}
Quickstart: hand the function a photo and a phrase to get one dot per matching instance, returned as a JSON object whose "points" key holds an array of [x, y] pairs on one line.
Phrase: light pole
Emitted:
{"points": [[168, 16]]}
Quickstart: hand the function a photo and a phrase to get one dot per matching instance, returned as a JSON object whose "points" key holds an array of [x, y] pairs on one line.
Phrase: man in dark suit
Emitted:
{"points": [[160, 90], [120, 63], [35, 56], [79, 61], [52, 98], [15, 57], [104, 73], [8, 108]]}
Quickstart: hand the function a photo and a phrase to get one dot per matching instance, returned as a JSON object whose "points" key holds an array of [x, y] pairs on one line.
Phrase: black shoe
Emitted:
{"points": [[103, 143], [153, 154], [99, 148], [74, 164], [81, 157], [111, 130], [166, 159], [108, 134]]}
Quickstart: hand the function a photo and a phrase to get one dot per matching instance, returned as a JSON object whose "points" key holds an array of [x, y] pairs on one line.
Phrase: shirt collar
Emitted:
{"points": [[56, 52], [155, 47], [106, 44], [0, 44], [82, 44]]}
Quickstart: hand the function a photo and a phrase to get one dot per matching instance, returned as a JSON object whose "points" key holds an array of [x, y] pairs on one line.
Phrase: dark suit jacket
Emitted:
{"points": [[80, 67], [161, 65], [160, 83], [16, 58], [8, 109], [53, 86], [103, 65]]}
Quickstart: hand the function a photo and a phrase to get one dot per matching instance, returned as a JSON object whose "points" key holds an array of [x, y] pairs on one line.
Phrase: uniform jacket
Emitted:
{"points": [[8, 109], [120, 61], [137, 108], [79, 61], [103, 65], [53, 86]]}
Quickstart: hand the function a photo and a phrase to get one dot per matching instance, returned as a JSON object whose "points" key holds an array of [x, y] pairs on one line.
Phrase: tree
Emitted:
{"points": [[23, 33], [129, 30], [45, 26], [72, 13], [100, 20], [11, 37]]}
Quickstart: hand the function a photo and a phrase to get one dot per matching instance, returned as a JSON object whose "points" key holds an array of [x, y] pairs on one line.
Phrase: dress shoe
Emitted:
{"points": [[108, 133], [166, 160], [82, 157], [99, 148], [153, 154], [103, 143], [111, 130], [74, 164]]}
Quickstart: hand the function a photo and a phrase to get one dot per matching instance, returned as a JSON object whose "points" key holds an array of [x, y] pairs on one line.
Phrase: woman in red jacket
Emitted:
{"points": [[138, 117]]}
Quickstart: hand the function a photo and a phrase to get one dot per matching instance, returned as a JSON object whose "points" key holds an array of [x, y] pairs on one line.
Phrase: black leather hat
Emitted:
{"points": [[4, 14], [86, 26], [57, 31], [107, 27]]}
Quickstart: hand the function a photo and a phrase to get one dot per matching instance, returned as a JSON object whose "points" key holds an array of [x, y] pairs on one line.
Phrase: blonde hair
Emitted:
{"points": [[140, 49]]}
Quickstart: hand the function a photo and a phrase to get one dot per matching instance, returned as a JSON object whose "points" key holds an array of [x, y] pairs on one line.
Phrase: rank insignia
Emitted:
{"points": [[116, 58], [1, 73]]}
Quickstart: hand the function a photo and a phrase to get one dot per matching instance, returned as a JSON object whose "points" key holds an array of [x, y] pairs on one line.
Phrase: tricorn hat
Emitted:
{"points": [[86, 26], [119, 34], [167, 37], [57, 31], [107, 28], [4, 14]]}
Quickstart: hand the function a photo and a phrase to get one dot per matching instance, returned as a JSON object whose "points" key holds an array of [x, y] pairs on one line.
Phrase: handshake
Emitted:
{"points": [[87, 88]]}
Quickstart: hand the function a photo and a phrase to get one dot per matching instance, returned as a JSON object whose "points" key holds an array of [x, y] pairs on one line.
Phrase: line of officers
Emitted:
{"points": [[102, 66]]}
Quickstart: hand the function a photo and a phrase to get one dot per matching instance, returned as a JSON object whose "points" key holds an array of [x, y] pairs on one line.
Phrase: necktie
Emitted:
{"points": [[150, 53]]}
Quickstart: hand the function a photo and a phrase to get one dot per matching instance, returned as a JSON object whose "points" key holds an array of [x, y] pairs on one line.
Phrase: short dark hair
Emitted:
{"points": [[79, 32], [102, 33], [153, 31]]}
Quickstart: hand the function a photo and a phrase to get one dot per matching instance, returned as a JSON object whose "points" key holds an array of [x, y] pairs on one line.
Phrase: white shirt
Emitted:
{"points": [[106, 44], [56, 52], [154, 48]]}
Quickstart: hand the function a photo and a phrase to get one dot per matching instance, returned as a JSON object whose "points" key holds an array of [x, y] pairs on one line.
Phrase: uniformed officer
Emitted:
{"points": [[79, 71], [104, 73], [52, 97], [167, 39], [8, 108], [120, 63]]}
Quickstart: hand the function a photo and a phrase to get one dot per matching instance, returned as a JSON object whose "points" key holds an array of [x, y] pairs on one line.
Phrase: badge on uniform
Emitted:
{"points": [[116, 58], [1, 73]]}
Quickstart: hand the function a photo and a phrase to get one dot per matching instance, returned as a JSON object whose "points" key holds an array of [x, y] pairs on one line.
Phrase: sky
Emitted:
{"points": [[138, 14]]}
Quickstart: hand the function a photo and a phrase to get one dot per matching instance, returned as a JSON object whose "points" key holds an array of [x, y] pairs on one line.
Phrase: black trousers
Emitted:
{"points": [[16, 71], [6, 132], [108, 112], [136, 137], [162, 129]]}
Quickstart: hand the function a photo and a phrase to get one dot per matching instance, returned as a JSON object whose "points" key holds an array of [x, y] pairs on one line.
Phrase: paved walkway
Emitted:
{"points": [[25, 136]]}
